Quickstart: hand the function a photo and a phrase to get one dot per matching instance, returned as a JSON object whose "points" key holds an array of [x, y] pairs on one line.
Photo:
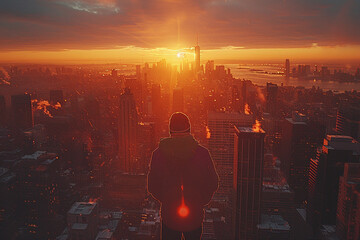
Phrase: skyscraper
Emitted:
{"points": [[348, 121], [209, 67], [295, 153], [235, 99], [197, 58], [22, 115], [287, 68], [138, 72], [128, 121], [221, 147], [38, 192], [271, 98], [145, 144], [247, 185], [324, 175], [348, 210]]}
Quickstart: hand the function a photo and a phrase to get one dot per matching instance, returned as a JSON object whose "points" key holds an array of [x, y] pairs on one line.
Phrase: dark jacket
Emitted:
{"points": [[182, 161]]}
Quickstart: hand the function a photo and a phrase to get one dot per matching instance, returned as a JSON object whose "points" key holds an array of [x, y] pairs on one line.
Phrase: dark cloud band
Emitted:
{"points": [[81, 24]]}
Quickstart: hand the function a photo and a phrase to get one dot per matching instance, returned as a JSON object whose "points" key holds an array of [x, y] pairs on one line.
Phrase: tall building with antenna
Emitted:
{"points": [[197, 56]]}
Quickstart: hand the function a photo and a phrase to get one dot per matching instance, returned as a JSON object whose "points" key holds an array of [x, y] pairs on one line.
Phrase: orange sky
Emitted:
{"points": [[99, 31], [139, 55]]}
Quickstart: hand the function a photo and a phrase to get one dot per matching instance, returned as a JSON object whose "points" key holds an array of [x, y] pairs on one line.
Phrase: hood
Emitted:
{"points": [[178, 149]]}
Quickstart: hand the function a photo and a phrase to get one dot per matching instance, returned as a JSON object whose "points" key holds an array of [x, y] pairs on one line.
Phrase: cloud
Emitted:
{"points": [[97, 7], [103, 24]]}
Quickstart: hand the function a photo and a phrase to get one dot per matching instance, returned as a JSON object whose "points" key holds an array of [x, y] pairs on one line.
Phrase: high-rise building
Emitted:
{"points": [[209, 67], [82, 220], [235, 99], [221, 147], [178, 100], [38, 193], [128, 121], [287, 68], [141, 89], [145, 145], [271, 98], [348, 121], [138, 72], [247, 184], [197, 58], [295, 153], [220, 72], [22, 116], [348, 208], [324, 173]]}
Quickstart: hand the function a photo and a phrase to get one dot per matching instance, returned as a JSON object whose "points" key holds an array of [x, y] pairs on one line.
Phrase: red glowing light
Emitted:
{"points": [[183, 211]]}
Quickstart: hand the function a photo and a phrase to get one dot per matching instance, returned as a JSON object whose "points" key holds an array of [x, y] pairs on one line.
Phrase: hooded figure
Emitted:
{"points": [[183, 179]]}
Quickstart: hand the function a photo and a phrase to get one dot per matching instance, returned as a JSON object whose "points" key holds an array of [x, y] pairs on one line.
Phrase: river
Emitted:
{"points": [[260, 74]]}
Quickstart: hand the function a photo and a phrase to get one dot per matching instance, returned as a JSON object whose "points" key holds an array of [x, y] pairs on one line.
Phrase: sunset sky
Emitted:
{"points": [[92, 31]]}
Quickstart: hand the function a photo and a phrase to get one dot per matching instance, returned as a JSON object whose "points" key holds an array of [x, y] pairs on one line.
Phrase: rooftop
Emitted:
{"points": [[104, 235], [276, 188], [302, 213], [34, 156], [340, 142], [273, 222], [84, 208], [295, 121], [79, 226], [328, 232], [297, 118], [339, 138], [249, 130]]}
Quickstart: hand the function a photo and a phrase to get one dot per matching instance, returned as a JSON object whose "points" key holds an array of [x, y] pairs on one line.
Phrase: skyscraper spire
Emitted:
{"points": [[197, 55]]}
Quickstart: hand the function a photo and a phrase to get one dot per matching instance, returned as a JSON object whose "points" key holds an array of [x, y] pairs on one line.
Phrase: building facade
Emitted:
{"points": [[247, 185]]}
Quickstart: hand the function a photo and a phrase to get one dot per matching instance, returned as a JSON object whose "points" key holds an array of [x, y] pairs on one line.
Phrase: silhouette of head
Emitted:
{"points": [[179, 123]]}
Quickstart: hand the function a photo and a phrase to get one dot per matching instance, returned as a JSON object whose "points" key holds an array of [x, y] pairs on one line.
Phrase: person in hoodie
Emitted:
{"points": [[183, 179]]}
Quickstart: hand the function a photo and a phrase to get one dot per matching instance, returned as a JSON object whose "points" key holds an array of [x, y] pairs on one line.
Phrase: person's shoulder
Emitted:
{"points": [[156, 152], [202, 150]]}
